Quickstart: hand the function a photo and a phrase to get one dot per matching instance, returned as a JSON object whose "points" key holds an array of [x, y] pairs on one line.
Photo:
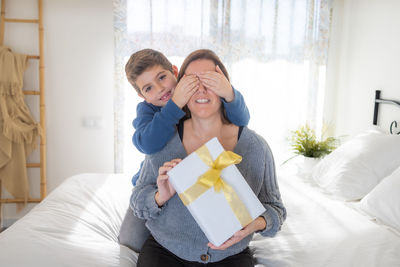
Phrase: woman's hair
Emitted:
{"points": [[202, 54], [209, 55]]}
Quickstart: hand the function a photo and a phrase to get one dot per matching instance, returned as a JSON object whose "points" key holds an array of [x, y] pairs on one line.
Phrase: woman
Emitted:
{"points": [[176, 239]]}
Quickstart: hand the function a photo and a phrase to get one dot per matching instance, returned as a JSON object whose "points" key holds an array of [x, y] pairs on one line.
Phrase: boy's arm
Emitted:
{"points": [[236, 110], [155, 128]]}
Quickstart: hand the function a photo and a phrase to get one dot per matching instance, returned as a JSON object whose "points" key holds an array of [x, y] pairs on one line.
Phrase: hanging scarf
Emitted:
{"points": [[18, 130]]}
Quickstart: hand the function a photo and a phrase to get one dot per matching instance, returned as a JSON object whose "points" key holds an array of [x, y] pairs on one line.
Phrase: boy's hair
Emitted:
{"points": [[142, 60], [210, 55]]}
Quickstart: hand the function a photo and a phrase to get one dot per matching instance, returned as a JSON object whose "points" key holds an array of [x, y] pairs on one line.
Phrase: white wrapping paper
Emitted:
{"points": [[211, 210]]}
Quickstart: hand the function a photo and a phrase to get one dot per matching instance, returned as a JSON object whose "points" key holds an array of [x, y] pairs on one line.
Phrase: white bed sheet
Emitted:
{"points": [[321, 231], [78, 225]]}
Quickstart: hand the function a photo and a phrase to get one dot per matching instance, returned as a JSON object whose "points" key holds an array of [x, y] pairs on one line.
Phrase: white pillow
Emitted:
{"points": [[356, 167], [383, 202]]}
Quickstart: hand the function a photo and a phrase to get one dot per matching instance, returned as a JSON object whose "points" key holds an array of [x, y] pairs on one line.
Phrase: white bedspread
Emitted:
{"points": [[320, 231], [78, 225]]}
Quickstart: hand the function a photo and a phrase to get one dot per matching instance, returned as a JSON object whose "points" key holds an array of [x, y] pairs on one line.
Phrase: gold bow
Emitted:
{"points": [[213, 178]]}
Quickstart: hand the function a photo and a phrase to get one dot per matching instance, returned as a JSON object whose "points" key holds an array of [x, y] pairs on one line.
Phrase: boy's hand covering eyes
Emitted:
{"points": [[184, 90], [218, 83]]}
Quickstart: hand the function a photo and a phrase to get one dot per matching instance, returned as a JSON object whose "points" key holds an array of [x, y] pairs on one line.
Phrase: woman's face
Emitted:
{"points": [[204, 102]]}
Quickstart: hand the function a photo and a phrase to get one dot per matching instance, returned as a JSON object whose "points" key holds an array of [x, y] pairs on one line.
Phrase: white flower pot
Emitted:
{"points": [[308, 164]]}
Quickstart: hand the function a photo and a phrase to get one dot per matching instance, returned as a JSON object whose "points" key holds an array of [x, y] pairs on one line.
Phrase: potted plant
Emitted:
{"points": [[304, 142]]}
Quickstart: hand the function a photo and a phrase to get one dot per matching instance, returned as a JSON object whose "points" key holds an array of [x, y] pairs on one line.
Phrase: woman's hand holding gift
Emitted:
{"points": [[256, 225], [165, 189]]}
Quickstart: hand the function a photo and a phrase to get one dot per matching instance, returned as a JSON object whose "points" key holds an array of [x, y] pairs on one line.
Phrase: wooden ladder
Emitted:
{"points": [[40, 93]]}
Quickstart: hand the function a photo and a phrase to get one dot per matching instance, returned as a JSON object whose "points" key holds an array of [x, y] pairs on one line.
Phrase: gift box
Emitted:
{"points": [[215, 192]]}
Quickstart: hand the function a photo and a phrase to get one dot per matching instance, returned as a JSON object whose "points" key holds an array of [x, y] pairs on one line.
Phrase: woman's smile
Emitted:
{"points": [[202, 101]]}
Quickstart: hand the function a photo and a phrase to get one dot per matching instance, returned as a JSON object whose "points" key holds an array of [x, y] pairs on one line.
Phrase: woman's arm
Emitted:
{"points": [[270, 197], [142, 200], [153, 188]]}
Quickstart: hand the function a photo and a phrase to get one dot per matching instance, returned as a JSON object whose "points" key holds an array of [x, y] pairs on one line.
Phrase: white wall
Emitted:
{"points": [[78, 82], [364, 56]]}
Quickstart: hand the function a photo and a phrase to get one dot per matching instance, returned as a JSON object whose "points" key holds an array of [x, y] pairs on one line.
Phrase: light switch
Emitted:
{"points": [[94, 122]]}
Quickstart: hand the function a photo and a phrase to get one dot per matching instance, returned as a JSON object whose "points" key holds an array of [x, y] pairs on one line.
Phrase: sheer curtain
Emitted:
{"points": [[275, 52]]}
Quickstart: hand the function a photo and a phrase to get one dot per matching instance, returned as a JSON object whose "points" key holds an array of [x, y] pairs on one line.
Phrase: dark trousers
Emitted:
{"points": [[155, 255]]}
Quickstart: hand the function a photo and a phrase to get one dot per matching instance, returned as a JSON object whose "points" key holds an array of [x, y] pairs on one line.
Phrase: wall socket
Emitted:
{"points": [[94, 122]]}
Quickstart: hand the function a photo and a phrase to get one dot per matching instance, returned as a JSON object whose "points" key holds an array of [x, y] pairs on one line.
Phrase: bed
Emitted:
{"points": [[75, 225], [78, 223]]}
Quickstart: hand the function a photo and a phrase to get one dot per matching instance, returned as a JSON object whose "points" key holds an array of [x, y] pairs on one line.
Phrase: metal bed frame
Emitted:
{"points": [[379, 100]]}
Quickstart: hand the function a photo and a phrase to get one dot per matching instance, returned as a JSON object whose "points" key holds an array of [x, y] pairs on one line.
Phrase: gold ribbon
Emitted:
{"points": [[212, 178]]}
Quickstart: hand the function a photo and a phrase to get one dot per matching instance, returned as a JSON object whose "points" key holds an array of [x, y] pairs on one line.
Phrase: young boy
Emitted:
{"points": [[154, 79]]}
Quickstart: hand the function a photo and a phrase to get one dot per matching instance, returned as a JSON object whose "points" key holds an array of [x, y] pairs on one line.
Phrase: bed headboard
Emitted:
{"points": [[379, 100]]}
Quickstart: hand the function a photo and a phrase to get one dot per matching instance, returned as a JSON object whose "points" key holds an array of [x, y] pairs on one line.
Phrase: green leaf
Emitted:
{"points": [[304, 142]]}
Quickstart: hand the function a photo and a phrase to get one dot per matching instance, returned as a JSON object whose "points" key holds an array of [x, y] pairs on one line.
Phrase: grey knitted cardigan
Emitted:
{"points": [[173, 226]]}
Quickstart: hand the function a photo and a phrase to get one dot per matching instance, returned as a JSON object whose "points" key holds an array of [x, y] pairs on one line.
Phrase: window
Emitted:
{"points": [[275, 53]]}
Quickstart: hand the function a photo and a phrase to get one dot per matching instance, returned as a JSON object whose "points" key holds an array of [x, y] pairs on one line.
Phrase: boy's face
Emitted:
{"points": [[157, 85]]}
